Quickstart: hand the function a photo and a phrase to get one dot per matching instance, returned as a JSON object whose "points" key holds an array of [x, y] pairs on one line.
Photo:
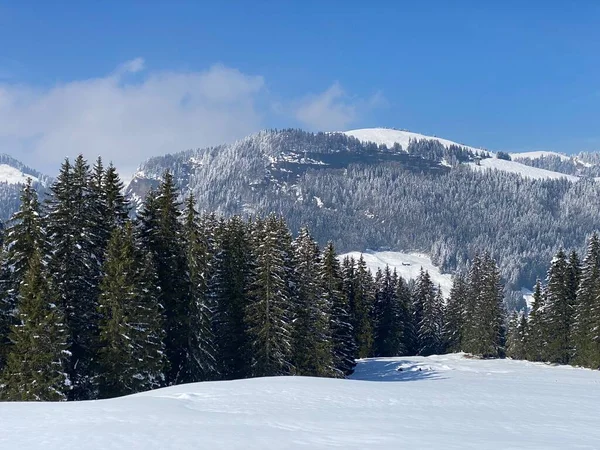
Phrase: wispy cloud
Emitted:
{"points": [[127, 121], [334, 109]]}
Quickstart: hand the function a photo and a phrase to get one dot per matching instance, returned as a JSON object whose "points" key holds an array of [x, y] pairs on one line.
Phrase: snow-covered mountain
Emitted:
{"points": [[440, 402], [391, 136], [13, 175]]}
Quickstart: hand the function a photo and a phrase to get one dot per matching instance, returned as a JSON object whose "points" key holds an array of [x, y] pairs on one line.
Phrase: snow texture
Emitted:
{"points": [[521, 169], [11, 175], [537, 155], [388, 137], [408, 266], [440, 402]]}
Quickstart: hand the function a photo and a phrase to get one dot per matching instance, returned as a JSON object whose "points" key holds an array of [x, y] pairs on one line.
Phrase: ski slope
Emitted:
{"points": [[408, 266], [388, 137], [11, 175], [440, 402], [520, 169]]}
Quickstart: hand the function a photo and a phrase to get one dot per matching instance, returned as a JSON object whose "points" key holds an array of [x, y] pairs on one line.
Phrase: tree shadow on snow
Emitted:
{"points": [[384, 370]]}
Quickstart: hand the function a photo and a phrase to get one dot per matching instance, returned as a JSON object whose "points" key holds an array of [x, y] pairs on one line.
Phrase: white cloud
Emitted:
{"points": [[335, 110], [127, 121]]}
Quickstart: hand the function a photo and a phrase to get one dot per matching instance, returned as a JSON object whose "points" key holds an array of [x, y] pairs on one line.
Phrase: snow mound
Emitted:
{"points": [[388, 137], [537, 155], [10, 175], [520, 169], [440, 402], [408, 266]]}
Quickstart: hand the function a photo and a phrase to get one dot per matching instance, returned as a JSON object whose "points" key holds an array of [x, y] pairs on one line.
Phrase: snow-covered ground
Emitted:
{"points": [[389, 137], [521, 169], [408, 265], [537, 155], [10, 175], [440, 402]]}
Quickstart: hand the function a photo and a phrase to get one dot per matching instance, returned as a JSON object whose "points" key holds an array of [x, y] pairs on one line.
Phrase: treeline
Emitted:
{"points": [[96, 305], [563, 325]]}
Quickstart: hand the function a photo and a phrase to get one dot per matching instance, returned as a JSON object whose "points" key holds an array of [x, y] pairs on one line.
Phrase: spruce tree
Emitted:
{"points": [[428, 316], [269, 315], [586, 309], [74, 265], [387, 326], [161, 233], [408, 329], [201, 365], [132, 336], [312, 355], [455, 314], [558, 311], [37, 362], [361, 309], [233, 268], [342, 337], [535, 339]]}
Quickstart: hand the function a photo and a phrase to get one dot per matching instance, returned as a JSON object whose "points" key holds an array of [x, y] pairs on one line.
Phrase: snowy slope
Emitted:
{"points": [[11, 175], [389, 137], [521, 169], [408, 265], [441, 402], [537, 155]]}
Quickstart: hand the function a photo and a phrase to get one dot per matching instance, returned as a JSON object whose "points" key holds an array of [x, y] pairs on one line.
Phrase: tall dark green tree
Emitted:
{"points": [[37, 362], [161, 233], [361, 307], [342, 337], [312, 355], [132, 356], [268, 314], [74, 266], [201, 364], [537, 333], [387, 326], [233, 268], [454, 316]]}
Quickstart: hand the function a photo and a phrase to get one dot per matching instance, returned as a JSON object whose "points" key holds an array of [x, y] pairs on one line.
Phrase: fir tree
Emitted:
{"points": [[132, 356], [535, 339], [342, 338], [202, 364], [36, 366], [455, 314], [387, 327], [312, 355], [268, 314], [361, 309]]}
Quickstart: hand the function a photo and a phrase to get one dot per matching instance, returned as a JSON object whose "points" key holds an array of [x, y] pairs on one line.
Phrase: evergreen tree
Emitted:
{"points": [[202, 363], [132, 355], [408, 335], [455, 314], [558, 311], [74, 265], [233, 267], [361, 309], [586, 310], [387, 326], [268, 314], [342, 338], [535, 338], [427, 316], [161, 233], [312, 353], [36, 366], [516, 338]]}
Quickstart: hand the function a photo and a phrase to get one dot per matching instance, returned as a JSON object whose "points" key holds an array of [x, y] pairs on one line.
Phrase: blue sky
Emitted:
{"points": [[133, 79]]}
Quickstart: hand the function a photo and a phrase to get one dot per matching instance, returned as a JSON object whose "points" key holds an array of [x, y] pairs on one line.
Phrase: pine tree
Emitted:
{"points": [[312, 355], [516, 338], [342, 337], [202, 364], [24, 236], [74, 265], [558, 311], [387, 326], [428, 316], [408, 331], [490, 313], [455, 314], [361, 309], [268, 315], [132, 356], [36, 366], [161, 233], [586, 310], [535, 339], [233, 267]]}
